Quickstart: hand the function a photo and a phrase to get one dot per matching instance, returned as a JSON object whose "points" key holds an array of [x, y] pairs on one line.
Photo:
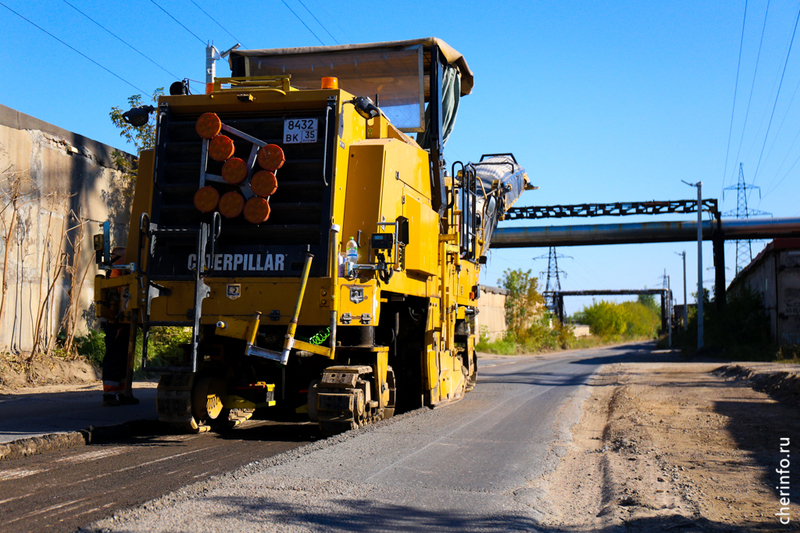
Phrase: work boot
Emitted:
{"points": [[127, 400], [110, 400]]}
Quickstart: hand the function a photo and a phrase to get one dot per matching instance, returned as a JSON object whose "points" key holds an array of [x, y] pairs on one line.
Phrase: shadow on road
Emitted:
{"points": [[764, 430], [367, 515], [539, 375]]}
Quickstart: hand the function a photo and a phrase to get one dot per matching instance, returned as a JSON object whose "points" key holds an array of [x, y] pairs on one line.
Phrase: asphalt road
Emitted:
{"points": [[471, 466], [64, 490]]}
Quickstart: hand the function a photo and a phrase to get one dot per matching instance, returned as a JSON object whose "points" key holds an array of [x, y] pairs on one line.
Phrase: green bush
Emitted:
{"points": [[642, 320], [505, 346], [538, 337], [92, 346], [621, 321], [165, 346]]}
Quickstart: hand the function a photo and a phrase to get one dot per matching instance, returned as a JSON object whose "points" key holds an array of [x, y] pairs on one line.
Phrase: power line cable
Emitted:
{"points": [[770, 187], [74, 49], [780, 128], [216, 22], [178, 21], [752, 86], [301, 21], [775, 104], [784, 176], [349, 39], [318, 22], [121, 40], [735, 90]]}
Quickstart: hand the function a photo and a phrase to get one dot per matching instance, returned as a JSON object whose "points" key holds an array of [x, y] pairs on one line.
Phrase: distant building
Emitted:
{"points": [[580, 330], [775, 274], [491, 319]]}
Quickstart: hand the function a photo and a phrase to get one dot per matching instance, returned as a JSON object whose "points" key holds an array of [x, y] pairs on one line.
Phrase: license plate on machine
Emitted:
{"points": [[299, 130]]}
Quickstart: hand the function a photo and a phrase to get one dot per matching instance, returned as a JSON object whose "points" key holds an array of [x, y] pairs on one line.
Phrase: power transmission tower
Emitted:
{"points": [[553, 284], [744, 249]]}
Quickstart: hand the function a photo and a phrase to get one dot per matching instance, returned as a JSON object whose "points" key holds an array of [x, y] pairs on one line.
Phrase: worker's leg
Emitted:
{"points": [[114, 362]]}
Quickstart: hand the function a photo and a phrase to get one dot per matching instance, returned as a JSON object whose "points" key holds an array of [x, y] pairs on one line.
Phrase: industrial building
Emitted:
{"points": [[775, 275]]}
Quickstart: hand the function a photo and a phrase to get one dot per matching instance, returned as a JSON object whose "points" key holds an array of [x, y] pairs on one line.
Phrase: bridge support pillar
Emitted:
{"points": [[718, 241], [559, 307]]}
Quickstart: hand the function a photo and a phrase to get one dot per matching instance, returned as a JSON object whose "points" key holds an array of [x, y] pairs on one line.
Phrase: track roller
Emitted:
{"points": [[174, 403], [346, 398], [192, 403]]}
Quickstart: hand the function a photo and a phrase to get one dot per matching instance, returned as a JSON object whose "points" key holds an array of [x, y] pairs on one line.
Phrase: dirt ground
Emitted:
{"points": [[17, 372], [667, 446]]}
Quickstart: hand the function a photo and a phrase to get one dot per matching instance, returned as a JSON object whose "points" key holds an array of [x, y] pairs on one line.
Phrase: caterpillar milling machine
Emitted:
{"points": [[325, 261]]}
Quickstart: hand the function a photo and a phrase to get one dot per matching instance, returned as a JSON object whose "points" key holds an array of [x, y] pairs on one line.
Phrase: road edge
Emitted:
{"points": [[50, 442]]}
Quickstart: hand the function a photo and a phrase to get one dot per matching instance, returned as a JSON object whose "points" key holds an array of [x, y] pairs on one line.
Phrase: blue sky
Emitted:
{"points": [[599, 101]]}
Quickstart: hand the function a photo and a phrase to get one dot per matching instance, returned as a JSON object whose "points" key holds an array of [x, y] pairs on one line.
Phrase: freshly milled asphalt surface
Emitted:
{"points": [[465, 467], [63, 490]]}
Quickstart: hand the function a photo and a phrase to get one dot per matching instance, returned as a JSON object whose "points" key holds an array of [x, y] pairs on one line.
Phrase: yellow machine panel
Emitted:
{"points": [[421, 252]]}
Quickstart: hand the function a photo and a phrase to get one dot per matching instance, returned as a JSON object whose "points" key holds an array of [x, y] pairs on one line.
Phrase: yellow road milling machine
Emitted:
{"points": [[326, 261]]}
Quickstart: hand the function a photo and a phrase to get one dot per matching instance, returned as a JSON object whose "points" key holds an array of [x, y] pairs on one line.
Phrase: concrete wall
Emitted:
{"points": [[491, 319], [775, 274], [56, 187]]}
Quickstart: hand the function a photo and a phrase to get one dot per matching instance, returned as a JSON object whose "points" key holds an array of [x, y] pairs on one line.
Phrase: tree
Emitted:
{"points": [[523, 302], [141, 137], [605, 319], [649, 301], [644, 318], [625, 320]]}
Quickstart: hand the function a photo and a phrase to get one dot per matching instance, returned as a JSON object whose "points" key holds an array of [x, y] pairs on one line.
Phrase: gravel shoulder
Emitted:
{"points": [[685, 446]]}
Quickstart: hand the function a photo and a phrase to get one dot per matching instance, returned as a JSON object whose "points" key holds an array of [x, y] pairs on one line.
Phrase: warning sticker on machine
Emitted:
{"points": [[299, 130]]}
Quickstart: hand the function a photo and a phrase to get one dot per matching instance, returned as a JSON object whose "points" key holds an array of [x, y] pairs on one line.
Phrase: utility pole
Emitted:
{"points": [[700, 292], [668, 297], [685, 310]]}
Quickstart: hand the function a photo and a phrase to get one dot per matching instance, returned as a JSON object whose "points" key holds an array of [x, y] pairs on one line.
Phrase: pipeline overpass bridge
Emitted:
{"points": [[666, 299], [717, 230]]}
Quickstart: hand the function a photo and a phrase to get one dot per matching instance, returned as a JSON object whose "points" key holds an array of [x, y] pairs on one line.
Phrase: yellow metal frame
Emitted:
{"points": [[281, 83]]}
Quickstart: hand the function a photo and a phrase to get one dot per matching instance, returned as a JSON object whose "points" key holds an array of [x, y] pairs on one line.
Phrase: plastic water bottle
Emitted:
{"points": [[352, 251]]}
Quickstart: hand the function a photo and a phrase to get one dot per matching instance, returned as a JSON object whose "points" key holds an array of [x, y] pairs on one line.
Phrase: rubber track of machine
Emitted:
{"points": [[174, 403], [230, 418], [338, 396]]}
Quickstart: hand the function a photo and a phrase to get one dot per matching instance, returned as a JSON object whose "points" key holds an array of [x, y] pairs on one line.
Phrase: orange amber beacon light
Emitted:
{"points": [[271, 157], [264, 183], [220, 148], [206, 199], [234, 171], [231, 204], [256, 210]]}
